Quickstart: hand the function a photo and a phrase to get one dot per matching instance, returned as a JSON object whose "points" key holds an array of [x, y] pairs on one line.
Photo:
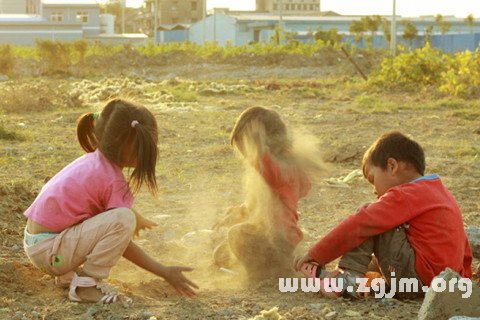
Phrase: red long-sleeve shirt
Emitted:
{"points": [[436, 231], [289, 185]]}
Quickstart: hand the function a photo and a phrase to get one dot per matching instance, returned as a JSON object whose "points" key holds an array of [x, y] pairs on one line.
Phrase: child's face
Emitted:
{"points": [[381, 179]]}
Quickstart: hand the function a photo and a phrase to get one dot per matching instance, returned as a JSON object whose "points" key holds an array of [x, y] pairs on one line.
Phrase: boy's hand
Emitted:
{"points": [[142, 224], [301, 259], [174, 276]]}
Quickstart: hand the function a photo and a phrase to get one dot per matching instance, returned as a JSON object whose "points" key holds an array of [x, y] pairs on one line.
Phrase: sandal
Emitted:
{"points": [[110, 295]]}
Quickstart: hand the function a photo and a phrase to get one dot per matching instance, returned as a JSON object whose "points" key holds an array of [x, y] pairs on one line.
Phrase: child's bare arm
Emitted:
{"points": [[142, 223], [172, 274]]}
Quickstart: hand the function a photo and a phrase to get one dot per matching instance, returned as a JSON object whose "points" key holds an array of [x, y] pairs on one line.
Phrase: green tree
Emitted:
{"points": [[410, 32], [443, 25], [371, 24], [386, 30], [357, 28], [331, 36], [428, 33], [470, 20]]}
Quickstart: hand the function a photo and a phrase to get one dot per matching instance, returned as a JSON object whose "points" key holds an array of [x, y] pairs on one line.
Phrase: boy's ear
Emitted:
{"points": [[392, 165]]}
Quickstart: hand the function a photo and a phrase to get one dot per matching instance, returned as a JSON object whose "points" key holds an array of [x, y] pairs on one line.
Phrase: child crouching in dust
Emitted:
{"points": [[262, 234], [82, 222], [414, 229]]}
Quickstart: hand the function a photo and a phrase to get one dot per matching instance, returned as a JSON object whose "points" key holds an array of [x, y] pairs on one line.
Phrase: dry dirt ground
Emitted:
{"points": [[200, 176]]}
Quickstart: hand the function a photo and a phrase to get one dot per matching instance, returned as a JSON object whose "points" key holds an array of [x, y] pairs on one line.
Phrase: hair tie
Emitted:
{"points": [[134, 123], [95, 115]]}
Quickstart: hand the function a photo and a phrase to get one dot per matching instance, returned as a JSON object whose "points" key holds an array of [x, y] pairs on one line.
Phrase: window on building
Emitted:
{"points": [[82, 16], [194, 6], [56, 16]]}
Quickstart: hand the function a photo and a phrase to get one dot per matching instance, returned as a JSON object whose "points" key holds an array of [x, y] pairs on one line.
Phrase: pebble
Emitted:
{"points": [[331, 315], [226, 312], [388, 302], [16, 248], [146, 315], [353, 314], [36, 315], [316, 306]]}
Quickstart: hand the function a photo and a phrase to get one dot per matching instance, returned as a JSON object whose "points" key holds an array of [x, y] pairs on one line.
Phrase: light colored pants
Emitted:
{"points": [[97, 243]]}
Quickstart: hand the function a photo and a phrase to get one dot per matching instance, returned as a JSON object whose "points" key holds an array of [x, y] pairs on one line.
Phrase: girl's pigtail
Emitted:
{"points": [[147, 152], [86, 132]]}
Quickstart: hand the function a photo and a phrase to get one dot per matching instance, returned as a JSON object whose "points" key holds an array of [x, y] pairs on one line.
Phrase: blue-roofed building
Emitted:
{"points": [[240, 28]]}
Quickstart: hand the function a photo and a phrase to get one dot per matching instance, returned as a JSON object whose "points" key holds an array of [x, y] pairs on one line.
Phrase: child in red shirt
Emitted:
{"points": [[414, 229], [262, 233]]}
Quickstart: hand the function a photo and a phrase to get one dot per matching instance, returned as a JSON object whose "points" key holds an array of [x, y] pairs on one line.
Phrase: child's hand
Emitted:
{"points": [[174, 276], [301, 259], [142, 224]]}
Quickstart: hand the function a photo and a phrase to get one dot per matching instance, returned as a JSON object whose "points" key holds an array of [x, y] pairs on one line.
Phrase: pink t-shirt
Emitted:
{"points": [[86, 187]]}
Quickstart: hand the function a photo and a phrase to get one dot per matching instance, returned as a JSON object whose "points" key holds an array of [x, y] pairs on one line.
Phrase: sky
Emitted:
{"points": [[406, 8]]}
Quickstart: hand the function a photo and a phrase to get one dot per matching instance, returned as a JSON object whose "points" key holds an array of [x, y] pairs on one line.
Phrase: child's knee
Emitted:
{"points": [[124, 217]]}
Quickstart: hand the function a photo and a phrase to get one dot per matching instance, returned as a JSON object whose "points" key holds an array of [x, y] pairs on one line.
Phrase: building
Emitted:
{"points": [[289, 7], [83, 12], [236, 28], [20, 6], [59, 20], [174, 11]]}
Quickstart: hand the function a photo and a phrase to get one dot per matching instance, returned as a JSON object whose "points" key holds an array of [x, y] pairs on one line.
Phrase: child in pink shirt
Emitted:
{"points": [[82, 221]]}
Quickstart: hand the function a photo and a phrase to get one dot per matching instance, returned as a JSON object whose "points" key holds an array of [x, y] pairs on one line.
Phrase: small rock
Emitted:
{"points": [[226, 312], [315, 307], [36, 315], [388, 302], [22, 125], [353, 314], [146, 315], [331, 315], [16, 248], [442, 305], [473, 234]]}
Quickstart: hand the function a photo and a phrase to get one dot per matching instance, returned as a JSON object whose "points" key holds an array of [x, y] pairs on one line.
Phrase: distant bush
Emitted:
{"points": [[6, 59], [10, 135], [59, 56], [409, 70], [454, 74], [55, 55], [462, 77], [37, 97]]}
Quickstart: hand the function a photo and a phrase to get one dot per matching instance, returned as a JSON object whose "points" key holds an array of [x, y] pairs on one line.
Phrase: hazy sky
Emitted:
{"points": [[459, 8]]}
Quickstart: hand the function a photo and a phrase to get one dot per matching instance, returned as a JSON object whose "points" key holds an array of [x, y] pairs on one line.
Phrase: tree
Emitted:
{"points": [[443, 25], [331, 36], [410, 32], [470, 20], [428, 33], [387, 30], [357, 28], [371, 24]]}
